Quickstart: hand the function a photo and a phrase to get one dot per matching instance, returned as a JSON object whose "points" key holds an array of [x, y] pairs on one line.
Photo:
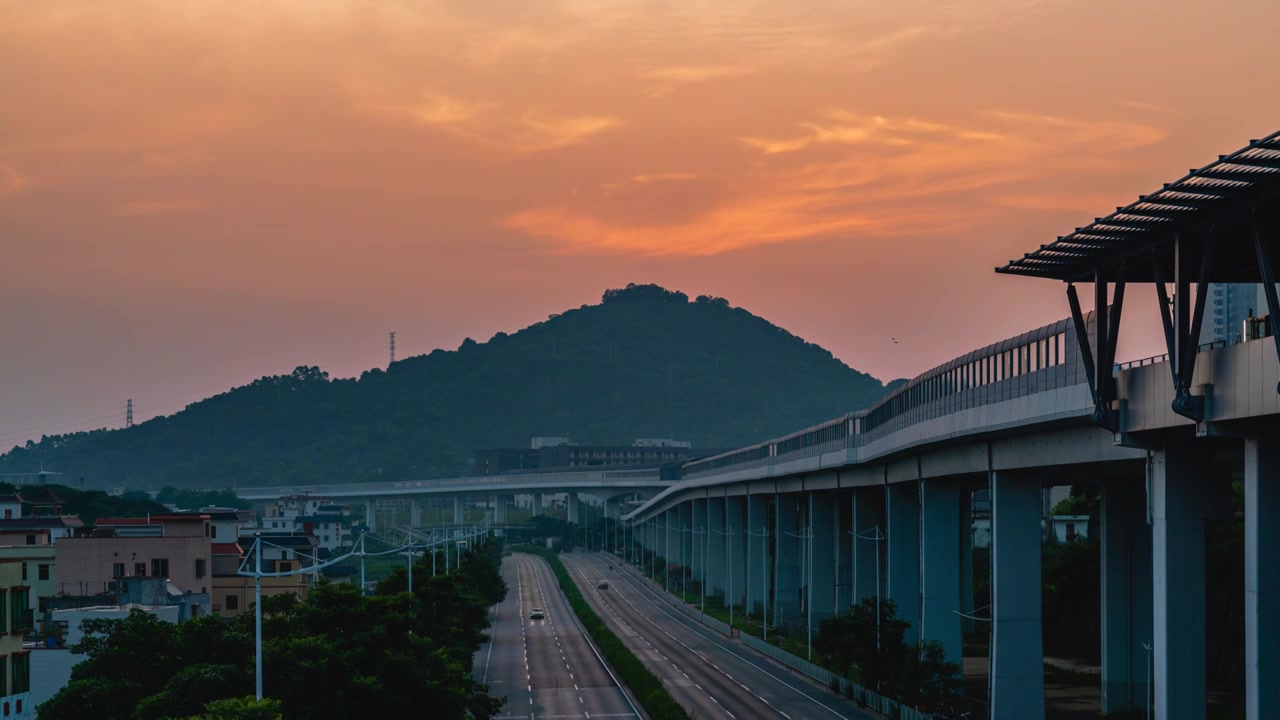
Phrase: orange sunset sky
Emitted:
{"points": [[194, 193]]}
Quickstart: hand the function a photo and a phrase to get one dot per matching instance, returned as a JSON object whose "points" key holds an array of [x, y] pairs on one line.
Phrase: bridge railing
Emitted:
{"points": [[532, 480]]}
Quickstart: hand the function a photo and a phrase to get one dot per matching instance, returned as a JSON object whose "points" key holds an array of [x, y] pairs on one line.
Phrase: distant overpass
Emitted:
{"points": [[604, 484]]}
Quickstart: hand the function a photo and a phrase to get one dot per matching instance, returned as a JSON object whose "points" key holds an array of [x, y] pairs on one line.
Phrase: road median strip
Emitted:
{"points": [[646, 686]]}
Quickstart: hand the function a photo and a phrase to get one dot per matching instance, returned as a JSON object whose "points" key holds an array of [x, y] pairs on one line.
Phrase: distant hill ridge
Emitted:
{"points": [[645, 362]]}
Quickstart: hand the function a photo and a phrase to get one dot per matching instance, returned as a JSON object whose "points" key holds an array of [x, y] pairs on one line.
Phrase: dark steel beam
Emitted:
{"points": [[1082, 339], [1268, 285]]}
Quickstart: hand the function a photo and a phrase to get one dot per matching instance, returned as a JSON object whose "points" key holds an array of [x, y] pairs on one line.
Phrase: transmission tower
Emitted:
{"points": [[393, 349], [128, 414]]}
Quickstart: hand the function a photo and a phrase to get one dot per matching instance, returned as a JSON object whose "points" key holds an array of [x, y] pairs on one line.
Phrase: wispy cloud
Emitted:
{"points": [[493, 124], [11, 181], [851, 176], [159, 206]]}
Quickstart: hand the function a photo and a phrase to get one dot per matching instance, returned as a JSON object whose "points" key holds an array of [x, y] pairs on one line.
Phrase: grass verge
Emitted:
{"points": [[646, 686]]}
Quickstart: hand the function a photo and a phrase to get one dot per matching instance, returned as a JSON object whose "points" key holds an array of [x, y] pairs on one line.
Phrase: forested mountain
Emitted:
{"points": [[646, 362]]}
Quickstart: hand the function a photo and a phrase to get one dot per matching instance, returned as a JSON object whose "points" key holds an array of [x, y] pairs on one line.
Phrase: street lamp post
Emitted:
{"points": [[257, 614], [728, 534], [876, 538], [764, 574], [807, 536]]}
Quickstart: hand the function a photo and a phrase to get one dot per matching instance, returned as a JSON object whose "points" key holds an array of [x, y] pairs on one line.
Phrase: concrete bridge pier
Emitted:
{"points": [[1017, 656], [500, 503], [758, 565], [735, 551], [371, 515], [716, 559], [903, 581], [967, 626], [940, 564], [843, 549], [415, 513], [571, 504], [788, 579], [672, 545], [698, 541], [1262, 576], [1184, 493], [536, 503], [685, 536], [822, 542], [1126, 595], [457, 510], [868, 510]]}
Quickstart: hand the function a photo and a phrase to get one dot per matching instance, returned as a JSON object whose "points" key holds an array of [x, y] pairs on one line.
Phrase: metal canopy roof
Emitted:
{"points": [[1218, 203]]}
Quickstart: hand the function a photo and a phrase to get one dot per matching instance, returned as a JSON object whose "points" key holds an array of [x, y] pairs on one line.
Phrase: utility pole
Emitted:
{"points": [[393, 350], [128, 414]]}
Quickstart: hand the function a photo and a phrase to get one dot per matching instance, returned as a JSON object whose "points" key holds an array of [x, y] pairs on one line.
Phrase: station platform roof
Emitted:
{"points": [[1223, 204]]}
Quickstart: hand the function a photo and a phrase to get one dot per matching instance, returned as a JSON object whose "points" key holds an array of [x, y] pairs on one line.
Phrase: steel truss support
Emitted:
{"points": [[1098, 365], [1182, 328]]}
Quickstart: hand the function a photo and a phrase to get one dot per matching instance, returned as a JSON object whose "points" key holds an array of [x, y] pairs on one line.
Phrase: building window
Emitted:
{"points": [[117, 570], [4, 617], [1071, 532], [21, 673], [43, 573], [20, 614], [139, 569], [282, 566], [4, 675], [199, 567], [160, 567], [214, 531], [233, 602], [31, 539]]}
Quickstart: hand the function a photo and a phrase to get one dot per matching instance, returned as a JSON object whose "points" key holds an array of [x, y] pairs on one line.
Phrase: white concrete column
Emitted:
{"points": [[759, 564], [903, 586], [821, 573], [371, 515], [789, 511], [415, 513], [1017, 656], [1262, 577], [940, 566], [868, 509], [537, 503], [571, 505], [500, 503], [1181, 500], [685, 536], [735, 551], [1126, 595], [457, 509]]}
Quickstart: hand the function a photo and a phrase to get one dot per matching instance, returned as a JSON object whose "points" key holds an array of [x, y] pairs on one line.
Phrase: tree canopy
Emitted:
{"points": [[646, 362], [337, 654]]}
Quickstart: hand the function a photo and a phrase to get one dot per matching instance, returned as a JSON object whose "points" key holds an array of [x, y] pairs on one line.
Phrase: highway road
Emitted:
{"points": [[710, 675], [546, 668]]}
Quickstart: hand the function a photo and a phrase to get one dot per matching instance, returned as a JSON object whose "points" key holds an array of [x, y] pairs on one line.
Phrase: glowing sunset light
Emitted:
{"points": [[196, 194]]}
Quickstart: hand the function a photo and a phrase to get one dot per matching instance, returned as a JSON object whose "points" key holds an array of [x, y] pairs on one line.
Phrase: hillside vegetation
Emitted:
{"points": [[646, 362]]}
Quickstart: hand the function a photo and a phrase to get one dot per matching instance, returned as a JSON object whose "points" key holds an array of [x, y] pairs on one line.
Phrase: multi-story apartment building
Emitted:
{"points": [[15, 661], [176, 547]]}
